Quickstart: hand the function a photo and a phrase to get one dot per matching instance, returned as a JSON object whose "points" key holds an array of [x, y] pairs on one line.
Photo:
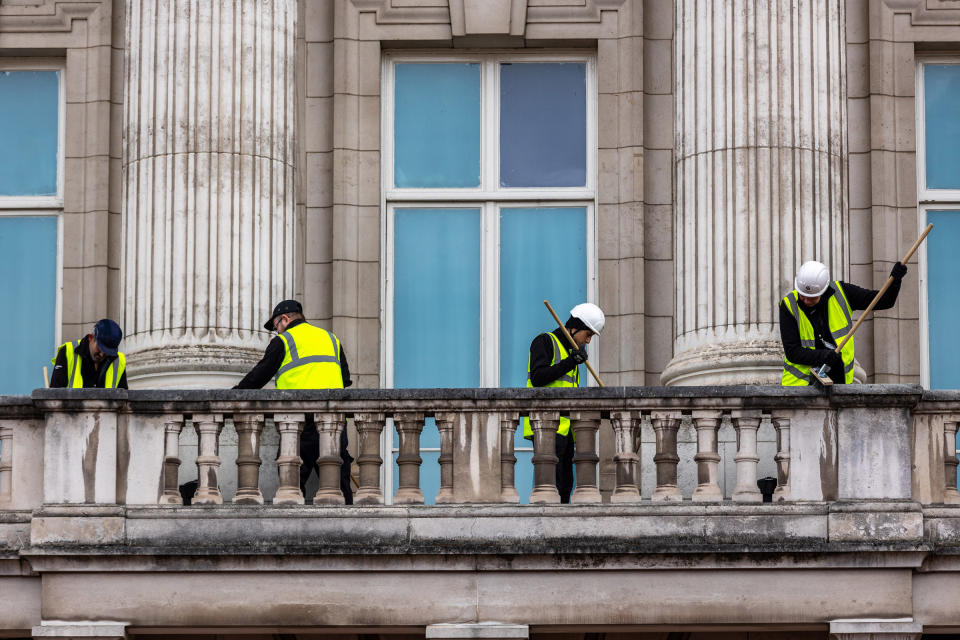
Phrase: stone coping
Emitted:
{"points": [[756, 530], [605, 399]]}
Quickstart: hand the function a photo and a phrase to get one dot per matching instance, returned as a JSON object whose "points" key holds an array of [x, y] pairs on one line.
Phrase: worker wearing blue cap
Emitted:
{"points": [[92, 361]]}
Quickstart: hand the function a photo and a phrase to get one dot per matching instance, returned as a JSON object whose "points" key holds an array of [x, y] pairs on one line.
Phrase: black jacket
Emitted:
{"points": [[858, 297], [92, 377], [542, 372], [268, 366]]}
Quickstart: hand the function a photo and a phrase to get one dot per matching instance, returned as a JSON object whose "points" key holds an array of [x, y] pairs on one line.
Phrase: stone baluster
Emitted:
{"points": [[249, 428], [172, 426], [444, 422], [625, 426], [707, 424], [329, 428], [746, 424], [508, 458], [369, 431], [665, 426], [6, 465], [585, 425], [950, 494], [409, 428], [781, 423], [544, 425], [289, 426], [208, 427]]}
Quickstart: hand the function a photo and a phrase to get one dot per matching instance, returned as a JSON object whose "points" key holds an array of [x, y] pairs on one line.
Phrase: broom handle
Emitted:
{"points": [[573, 342], [883, 289]]}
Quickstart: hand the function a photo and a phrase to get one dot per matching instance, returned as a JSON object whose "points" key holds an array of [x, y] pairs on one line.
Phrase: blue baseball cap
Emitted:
{"points": [[108, 335]]}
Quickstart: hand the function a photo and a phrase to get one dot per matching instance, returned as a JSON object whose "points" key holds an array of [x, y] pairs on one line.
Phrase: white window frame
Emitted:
{"points": [[44, 206], [489, 198], [42, 64], [928, 200]]}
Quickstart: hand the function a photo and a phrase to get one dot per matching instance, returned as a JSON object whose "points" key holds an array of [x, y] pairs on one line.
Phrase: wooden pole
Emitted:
{"points": [[573, 343]]}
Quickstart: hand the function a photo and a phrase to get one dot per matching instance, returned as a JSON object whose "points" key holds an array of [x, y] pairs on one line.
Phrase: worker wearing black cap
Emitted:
{"points": [[303, 356], [92, 361]]}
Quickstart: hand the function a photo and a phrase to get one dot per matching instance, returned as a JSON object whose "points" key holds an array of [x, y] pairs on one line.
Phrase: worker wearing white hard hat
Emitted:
{"points": [[815, 317], [553, 362]]}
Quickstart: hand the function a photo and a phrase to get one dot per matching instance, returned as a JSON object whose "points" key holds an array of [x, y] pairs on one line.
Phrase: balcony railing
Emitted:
{"points": [[96, 447]]}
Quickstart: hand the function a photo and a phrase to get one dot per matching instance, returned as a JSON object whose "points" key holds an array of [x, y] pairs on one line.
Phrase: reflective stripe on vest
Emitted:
{"points": [[839, 321], [311, 359], [74, 376], [570, 379]]}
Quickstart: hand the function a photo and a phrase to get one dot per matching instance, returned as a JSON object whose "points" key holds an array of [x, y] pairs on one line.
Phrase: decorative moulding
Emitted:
{"points": [[48, 16], [934, 13]]}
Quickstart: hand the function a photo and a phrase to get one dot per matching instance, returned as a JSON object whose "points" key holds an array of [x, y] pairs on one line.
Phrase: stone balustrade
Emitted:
{"points": [[864, 442]]}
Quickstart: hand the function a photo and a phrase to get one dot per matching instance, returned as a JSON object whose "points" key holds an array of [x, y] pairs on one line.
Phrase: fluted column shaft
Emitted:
{"points": [[208, 203], [761, 161]]}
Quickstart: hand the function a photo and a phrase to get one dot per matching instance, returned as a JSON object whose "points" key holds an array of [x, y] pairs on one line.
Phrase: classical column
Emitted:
{"points": [[329, 428], [444, 422], [782, 424], [409, 427], [585, 425], [746, 423], [761, 174], [208, 202]]}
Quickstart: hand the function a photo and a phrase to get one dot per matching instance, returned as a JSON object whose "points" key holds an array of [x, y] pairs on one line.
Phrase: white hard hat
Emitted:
{"points": [[590, 315], [812, 279]]}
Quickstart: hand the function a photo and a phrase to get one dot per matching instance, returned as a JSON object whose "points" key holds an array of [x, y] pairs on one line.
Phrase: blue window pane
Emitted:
{"points": [[943, 305], [543, 256], [437, 125], [28, 280], [29, 106], [543, 125], [941, 86], [436, 298], [429, 475]]}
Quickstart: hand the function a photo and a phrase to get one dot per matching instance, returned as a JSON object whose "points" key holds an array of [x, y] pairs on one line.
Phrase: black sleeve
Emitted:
{"points": [[790, 337], [58, 379], [860, 298], [344, 368], [542, 372], [266, 368], [122, 382]]}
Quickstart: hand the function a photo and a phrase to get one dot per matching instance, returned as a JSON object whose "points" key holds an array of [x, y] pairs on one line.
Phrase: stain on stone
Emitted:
{"points": [[90, 461], [123, 457], [829, 482]]}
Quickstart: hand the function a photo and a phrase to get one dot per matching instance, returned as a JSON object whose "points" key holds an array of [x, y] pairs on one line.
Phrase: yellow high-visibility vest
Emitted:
{"points": [[74, 376], [311, 359], [569, 379], [839, 320]]}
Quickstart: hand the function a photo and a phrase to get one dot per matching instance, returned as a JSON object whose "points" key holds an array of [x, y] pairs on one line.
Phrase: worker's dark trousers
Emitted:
{"points": [[565, 450], [310, 452]]}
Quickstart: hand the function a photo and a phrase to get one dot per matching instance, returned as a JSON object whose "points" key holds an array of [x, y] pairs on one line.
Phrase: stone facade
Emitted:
{"points": [[321, 239], [162, 146]]}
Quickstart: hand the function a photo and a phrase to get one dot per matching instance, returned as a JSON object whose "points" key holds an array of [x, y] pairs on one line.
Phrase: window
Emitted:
{"points": [[31, 197], [489, 193]]}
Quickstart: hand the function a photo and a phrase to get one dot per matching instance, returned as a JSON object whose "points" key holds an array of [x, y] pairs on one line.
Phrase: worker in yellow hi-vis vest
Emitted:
{"points": [[303, 356], [553, 362], [815, 317], [92, 361]]}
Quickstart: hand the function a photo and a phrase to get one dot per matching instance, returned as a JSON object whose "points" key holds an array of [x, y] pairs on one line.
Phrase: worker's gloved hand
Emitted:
{"points": [[899, 270], [834, 361], [580, 355]]}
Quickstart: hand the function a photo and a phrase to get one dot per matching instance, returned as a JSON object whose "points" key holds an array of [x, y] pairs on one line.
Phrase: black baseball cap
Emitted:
{"points": [[108, 335], [287, 306]]}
